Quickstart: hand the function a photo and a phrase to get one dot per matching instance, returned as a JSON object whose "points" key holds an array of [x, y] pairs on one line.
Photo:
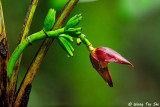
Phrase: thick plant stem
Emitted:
{"points": [[29, 41], [4, 57], [23, 35], [42, 52]]}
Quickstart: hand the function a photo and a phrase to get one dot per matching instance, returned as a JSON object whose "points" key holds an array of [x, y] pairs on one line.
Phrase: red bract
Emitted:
{"points": [[101, 57]]}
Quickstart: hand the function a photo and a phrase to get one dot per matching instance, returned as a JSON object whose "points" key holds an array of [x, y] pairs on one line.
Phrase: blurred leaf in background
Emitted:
{"points": [[129, 9], [59, 4]]}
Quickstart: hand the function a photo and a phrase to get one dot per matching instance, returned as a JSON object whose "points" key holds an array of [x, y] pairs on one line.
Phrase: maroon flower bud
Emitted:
{"points": [[101, 57]]}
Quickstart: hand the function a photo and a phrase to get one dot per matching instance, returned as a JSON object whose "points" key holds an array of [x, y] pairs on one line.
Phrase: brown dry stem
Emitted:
{"points": [[4, 57]]}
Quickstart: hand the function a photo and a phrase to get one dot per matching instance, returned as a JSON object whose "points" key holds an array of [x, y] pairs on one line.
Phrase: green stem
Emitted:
{"points": [[23, 35], [31, 72], [86, 42], [29, 40]]}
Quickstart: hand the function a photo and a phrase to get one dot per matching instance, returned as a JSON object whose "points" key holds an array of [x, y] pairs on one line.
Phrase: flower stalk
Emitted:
{"points": [[100, 57], [29, 77], [28, 41], [23, 35], [48, 23], [86, 42]]}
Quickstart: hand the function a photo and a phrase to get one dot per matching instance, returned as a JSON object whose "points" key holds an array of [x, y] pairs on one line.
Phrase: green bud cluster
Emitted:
{"points": [[64, 36], [74, 21], [74, 32], [69, 32]]}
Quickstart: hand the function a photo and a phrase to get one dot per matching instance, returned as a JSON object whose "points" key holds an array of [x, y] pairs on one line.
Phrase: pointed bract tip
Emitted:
{"points": [[111, 85], [106, 54], [124, 61], [131, 64]]}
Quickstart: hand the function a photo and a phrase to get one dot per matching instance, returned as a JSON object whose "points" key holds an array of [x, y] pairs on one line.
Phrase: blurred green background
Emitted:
{"points": [[131, 27]]}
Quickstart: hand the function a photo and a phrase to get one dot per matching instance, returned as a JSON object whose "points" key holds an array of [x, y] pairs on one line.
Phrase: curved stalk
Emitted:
{"points": [[29, 40], [38, 36], [23, 35], [34, 66], [86, 42]]}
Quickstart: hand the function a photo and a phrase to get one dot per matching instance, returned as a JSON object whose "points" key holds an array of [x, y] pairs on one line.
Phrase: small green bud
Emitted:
{"points": [[74, 32], [70, 46], [79, 41], [67, 37], [74, 18], [74, 21], [64, 44], [49, 20]]}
